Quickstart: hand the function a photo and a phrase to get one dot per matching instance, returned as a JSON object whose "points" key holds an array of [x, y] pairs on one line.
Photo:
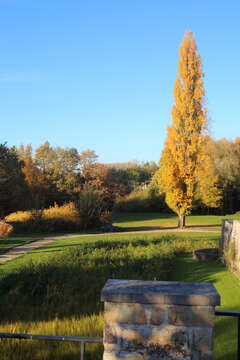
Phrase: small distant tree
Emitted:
{"points": [[227, 162], [88, 160], [183, 153], [60, 170]]}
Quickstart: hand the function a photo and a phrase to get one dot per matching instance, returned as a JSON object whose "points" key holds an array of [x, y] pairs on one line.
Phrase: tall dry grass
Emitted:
{"points": [[88, 326], [54, 219], [66, 212]]}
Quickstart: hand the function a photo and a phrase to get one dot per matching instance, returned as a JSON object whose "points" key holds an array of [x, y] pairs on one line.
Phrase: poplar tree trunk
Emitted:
{"points": [[181, 221]]}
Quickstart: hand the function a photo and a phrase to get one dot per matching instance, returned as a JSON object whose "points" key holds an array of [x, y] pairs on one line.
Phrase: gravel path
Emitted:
{"points": [[23, 249]]}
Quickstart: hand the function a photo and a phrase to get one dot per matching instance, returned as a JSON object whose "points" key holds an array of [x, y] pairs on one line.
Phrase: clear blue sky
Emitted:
{"points": [[99, 74]]}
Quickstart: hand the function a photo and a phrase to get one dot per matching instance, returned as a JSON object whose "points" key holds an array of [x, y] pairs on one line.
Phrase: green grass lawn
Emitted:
{"points": [[12, 241], [133, 222], [139, 221], [228, 286], [56, 289], [58, 246]]}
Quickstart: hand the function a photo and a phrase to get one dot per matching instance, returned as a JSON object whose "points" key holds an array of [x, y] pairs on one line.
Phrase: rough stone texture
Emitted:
{"points": [[202, 339], [152, 331], [127, 313], [122, 355], [191, 316], [160, 292], [229, 245], [158, 314]]}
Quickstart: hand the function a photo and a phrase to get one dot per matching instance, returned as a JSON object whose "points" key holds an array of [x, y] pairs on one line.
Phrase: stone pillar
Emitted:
{"points": [[227, 226], [229, 245], [151, 320]]}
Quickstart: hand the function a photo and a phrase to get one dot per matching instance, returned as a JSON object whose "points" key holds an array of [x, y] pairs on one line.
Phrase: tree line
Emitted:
{"points": [[38, 179], [55, 175]]}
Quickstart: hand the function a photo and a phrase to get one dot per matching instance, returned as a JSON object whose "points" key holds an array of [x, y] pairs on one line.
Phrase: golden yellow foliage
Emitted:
{"points": [[184, 146], [208, 190], [67, 212], [18, 216]]}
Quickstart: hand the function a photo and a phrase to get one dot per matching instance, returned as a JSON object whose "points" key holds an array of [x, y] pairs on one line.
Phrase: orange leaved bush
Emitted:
{"points": [[5, 229]]}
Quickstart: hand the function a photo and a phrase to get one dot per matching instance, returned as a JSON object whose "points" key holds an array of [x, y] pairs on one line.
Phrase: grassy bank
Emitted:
{"points": [[138, 221], [228, 286], [13, 241], [56, 290]]}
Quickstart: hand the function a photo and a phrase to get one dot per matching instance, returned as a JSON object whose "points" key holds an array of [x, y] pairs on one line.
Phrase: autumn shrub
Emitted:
{"points": [[54, 219], [5, 229], [89, 211], [91, 207], [18, 216], [67, 211]]}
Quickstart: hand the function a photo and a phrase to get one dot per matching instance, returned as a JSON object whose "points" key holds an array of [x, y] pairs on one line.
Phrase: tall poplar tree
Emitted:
{"points": [[183, 152]]}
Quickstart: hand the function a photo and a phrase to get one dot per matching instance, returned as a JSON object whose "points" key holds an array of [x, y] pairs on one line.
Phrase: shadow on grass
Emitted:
{"points": [[187, 269], [225, 337], [126, 217], [167, 228], [11, 242], [146, 228], [225, 330], [69, 284]]}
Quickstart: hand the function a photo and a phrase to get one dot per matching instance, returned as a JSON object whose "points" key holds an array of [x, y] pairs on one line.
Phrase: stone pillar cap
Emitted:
{"points": [[160, 292]]}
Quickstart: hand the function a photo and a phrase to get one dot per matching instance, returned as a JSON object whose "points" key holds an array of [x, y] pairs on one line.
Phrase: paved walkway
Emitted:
{"points": [[23, 249]]}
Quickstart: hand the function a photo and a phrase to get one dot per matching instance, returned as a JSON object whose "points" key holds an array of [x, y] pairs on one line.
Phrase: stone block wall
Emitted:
{"points": [[151, 320], [230, 244]]}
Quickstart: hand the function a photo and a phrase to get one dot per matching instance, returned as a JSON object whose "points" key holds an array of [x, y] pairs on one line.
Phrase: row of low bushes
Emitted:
{"points": [[56, 218], [87, 212]]}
